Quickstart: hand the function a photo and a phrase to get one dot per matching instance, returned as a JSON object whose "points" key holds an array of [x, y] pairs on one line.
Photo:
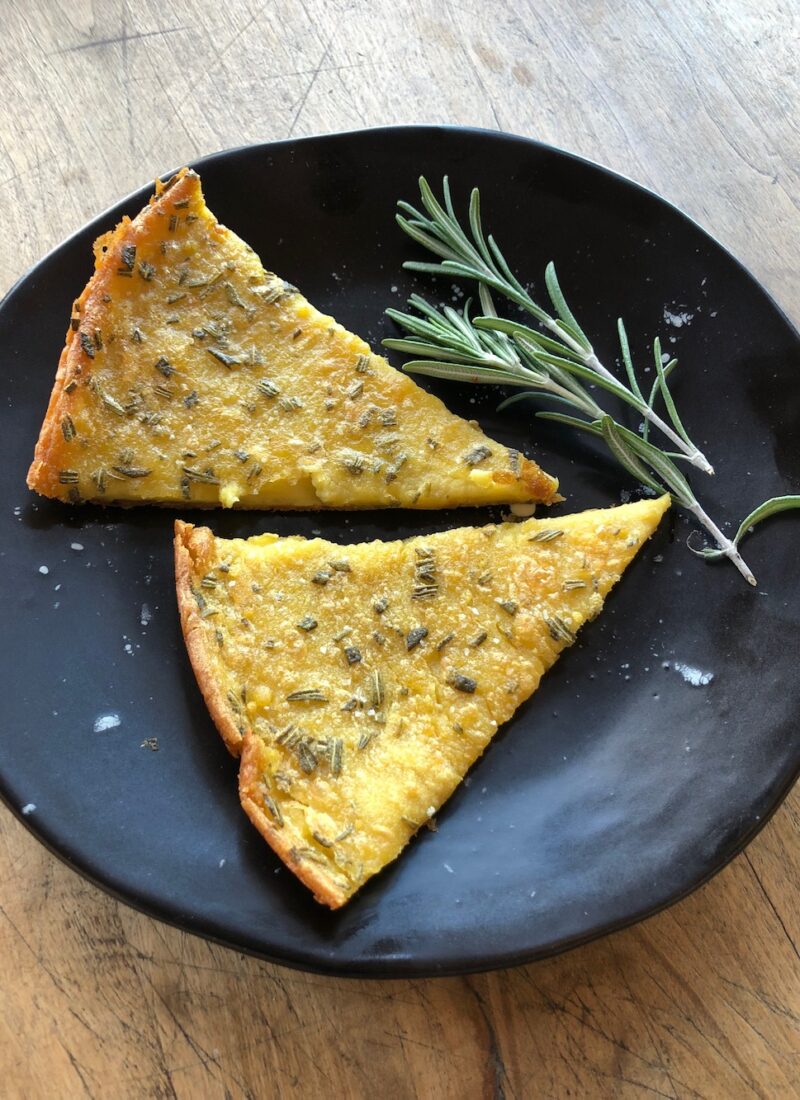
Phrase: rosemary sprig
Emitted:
{"points": [[480, 259], [558, 366], [769, 508]]}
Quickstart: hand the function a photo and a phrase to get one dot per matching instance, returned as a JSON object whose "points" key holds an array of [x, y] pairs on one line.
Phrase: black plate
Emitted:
{"points": [[620, 786]]}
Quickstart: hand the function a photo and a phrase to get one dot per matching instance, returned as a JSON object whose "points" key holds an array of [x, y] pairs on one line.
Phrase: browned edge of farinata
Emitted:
{"points": [[541, 486], [193, 544], [87, 315], [282, 839]]}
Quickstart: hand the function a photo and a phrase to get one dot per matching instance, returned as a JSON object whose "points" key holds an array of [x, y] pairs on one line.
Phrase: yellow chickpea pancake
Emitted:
{"points": [[193, 376], [360, 683]]}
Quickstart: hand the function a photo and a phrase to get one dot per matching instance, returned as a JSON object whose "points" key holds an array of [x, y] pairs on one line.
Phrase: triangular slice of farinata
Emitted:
{"points": [[193, 376], [361, 682]]}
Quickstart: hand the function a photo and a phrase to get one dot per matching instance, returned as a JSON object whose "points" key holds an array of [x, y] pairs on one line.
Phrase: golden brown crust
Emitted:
{"points": [[87, 311], [311, 875], [542, 487], [193, 543]]}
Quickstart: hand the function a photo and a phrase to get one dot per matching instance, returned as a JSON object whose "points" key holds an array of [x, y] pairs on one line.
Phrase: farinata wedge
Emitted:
{"points": [[193, 376], [360, 683]]}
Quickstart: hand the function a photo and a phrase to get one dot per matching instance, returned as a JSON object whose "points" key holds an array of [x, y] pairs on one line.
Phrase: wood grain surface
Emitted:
{"points": [[698, 100]]}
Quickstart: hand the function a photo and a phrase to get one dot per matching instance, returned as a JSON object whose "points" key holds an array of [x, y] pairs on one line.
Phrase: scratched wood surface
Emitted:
{"points": [[697, 100]]}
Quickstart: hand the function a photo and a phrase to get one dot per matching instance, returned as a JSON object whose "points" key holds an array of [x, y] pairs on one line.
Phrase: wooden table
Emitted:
{"points": [[698, 101]]}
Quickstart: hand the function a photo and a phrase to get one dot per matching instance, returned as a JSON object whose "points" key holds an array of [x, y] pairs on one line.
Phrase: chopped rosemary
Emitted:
{"points": [[509, 606], [461, 682], [307, 695], [68, 429], [380, 605], [306, 757], [479, 639], [233, 296], [336, 755], [353, 461], [68, 477], [223, 357], [477, 454], [87, 344], [362, 364], [546, 534], [274, 809], [377, 692], [446, 640], [106, 398], [147, 271], [415, 636], [559, 631], [127, 259], [570, 586], [426, 585], [308, 622], [394, 469], [206, 477], [321, 577], [352, 654], [132, 471]]}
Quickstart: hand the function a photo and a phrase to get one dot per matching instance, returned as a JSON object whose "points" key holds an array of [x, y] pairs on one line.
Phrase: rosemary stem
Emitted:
{"points": [[726, 545], [589, 357], [575, 396], [694, 456]]}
